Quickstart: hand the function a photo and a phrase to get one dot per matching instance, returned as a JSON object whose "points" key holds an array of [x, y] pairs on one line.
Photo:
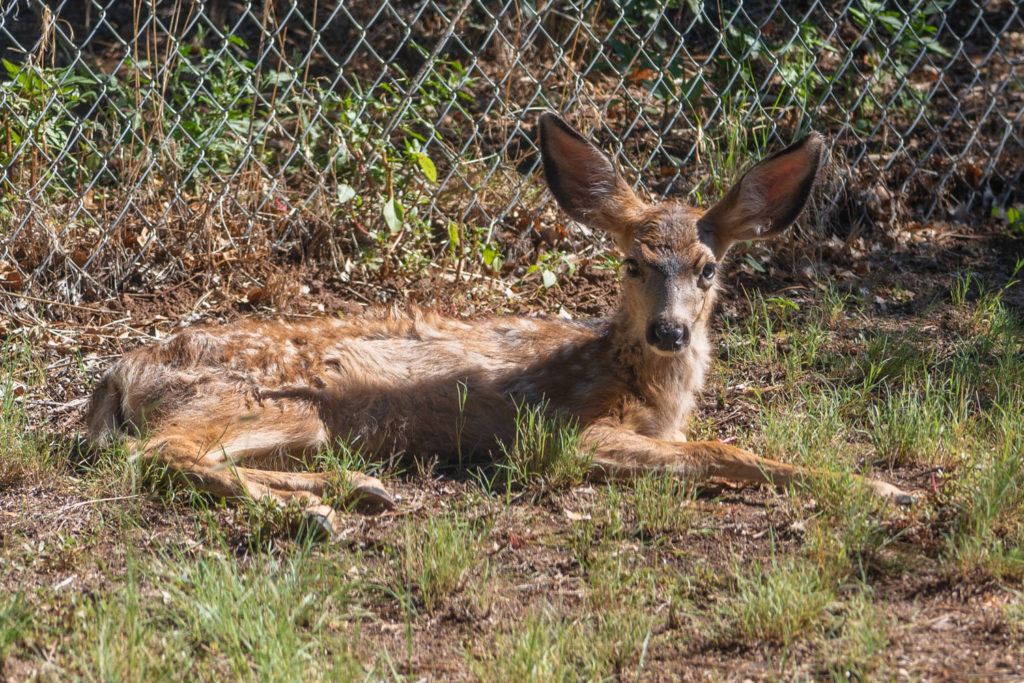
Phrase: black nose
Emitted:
{"points": [[668, 337]]}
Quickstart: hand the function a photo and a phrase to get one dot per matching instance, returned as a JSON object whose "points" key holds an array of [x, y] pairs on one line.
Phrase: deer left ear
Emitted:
{"points": [[766, 200]]}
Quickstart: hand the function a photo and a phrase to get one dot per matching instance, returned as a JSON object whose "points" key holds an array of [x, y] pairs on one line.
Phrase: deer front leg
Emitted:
{"points": [[621, 453]]}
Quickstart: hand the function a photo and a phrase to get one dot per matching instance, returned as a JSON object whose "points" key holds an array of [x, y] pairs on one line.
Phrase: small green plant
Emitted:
{"points": [[1014, 217], [438, 556], [778, 603], [545, 450], [37, 101], [550, 264], [661, 502], [905, 33], [961, 287]]}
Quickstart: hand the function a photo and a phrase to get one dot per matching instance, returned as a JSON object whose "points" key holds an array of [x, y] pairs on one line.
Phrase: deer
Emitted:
{"points": [[238, 410]]}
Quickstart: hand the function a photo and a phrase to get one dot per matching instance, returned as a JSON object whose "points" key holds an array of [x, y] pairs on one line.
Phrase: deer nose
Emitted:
{"points": [[667, 336]]}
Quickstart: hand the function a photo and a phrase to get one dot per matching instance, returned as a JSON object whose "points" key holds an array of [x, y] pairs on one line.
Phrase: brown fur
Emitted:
{"points": [[237, 409]]}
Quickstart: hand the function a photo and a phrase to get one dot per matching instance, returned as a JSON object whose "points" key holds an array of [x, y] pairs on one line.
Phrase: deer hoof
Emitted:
{"points": [[892, 493], [320, 521], [902, 498], [373, 496]]}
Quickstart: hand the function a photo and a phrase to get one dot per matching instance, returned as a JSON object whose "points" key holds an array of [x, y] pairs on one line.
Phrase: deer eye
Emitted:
{"points": [[632, 267], [708, 272]]}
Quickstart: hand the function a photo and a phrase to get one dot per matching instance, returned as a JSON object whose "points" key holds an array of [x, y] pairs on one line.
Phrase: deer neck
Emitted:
{"points": [[666, 386]]}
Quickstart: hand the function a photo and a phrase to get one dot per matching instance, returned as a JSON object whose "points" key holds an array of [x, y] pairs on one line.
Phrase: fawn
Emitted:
{"points": [[238, 410]]}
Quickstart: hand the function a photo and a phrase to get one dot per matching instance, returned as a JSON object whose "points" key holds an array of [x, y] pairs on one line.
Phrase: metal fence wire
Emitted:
{"points": [[141, 141]]}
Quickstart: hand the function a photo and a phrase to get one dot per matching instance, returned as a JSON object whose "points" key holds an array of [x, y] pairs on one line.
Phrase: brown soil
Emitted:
{"points": [[940, 628]]}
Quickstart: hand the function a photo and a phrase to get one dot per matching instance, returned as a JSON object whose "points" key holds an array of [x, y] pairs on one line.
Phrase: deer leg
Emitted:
{"points": [[360, 488], [620, 453], [208, 460]]}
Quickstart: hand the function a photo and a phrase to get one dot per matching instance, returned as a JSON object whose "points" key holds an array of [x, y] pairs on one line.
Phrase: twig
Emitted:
{"points": [[62, 303], [69, 508]]}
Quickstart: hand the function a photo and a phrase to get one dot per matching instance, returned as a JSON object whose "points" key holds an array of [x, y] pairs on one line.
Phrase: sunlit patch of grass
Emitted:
{"points": [[180, 614], [923, 424], [192, 611], [806, 427], [778, 604], [117, 471], [15, 621], [26, 450], [662, 504], [262, 621], [440, 555], [986, 537], [855, 647], [987, 534], [550, 646], [847, 536]]}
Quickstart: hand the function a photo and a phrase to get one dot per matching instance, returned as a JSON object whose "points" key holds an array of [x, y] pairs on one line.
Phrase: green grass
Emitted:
{"points": [[778, 603], [552, 646], [545, 451], [24, 451], [15, 620], [441, 556], [561, 581], [662, 505], [860, 641]]}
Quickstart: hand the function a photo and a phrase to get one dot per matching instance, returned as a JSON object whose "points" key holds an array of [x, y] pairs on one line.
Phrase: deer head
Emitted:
{"points": [[670, 251]]}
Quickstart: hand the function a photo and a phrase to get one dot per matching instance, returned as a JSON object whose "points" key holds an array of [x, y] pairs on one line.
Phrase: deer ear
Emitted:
{"points": [[584, 181], [766, 200]]}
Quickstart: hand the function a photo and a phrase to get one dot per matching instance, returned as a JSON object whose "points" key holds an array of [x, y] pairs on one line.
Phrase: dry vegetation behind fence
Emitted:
{"points": [[141, 147]]}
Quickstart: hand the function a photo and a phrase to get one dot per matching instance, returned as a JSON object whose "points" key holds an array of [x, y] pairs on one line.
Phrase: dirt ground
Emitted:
{"points": [[940, 629]]}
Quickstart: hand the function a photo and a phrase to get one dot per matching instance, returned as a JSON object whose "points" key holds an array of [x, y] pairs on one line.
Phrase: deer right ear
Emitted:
{"points": [[584, 181]]}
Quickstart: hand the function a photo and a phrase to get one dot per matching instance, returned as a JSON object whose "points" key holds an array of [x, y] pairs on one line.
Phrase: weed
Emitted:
{"points": [[545, 450], [779, 603], [1014, 217], [662, 504], [15, 619], [438, 557]]}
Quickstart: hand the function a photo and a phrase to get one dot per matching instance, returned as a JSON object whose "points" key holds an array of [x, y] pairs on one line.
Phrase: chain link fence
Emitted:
{"points": [[142, 143]]}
